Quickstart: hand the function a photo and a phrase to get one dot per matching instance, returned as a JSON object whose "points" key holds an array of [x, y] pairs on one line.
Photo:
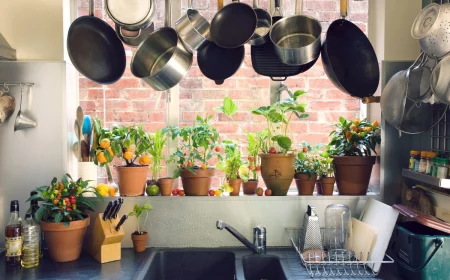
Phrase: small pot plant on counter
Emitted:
{"points": [[351, 148], [306, 169], [231, 163], [197, 146], [254, 166], [326, 174], [63, 216], [127, 143], [140, 236], [158, 143]]}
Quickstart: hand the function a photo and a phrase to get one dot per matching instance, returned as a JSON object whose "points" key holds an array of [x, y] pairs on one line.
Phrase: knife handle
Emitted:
{"points": [[118, 208], [122, 220], [113, 209], [107, 211]]}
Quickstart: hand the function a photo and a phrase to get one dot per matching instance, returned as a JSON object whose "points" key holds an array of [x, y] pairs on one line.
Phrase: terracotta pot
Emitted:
{"points": [[327, 185], [305, 183], [64, 243], [165, 186], [250, 186], [353, 174], [318, 187], [236, 185], [198, 183], [132, 180], [277, 171], [139, 241]]}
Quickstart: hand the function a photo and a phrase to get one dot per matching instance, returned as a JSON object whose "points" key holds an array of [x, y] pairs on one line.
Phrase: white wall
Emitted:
{"points": [[34, 28]]}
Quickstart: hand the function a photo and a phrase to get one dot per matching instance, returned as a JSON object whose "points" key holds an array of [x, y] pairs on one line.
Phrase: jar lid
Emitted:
{"points": [[442, 160], [414, 153], [424, 154], [432, 154]]}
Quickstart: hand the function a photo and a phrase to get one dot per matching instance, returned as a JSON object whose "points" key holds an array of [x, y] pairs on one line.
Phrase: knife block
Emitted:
{"points": [[105, 244]]}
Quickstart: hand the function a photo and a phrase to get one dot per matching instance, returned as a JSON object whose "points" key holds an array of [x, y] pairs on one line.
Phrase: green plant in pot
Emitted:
{"points": [[351, 147], [198, 144], [140, 236], [158, 143], [63, 216], [128, 143], [231, 163], [306, 168], [326, 174]]}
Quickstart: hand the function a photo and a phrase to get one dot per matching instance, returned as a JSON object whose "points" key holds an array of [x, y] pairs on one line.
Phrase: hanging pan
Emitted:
{"points": [[297, 38], [263, 26], [193, 28], [95, 50], [440, 80], [349, 59]]}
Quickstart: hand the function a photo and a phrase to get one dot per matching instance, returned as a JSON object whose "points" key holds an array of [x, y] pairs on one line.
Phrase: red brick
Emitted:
{"points": [[152, 127], [226, 127], [144, 105], [86, 83], [157, 116], [133, 117], [228, 83], [325, 105], [137, 93], [242, 94], [352, 105], [115, 104], [295, 82], [311, 138], [113, 93], [298, 127], [336, 94], [211, 105], [126, 83], [259, 83], [185, 93], [190, 105], [363, 17], [333, 117], [95, 94], [209, 94], [191, 83], [325, 128], [321, 84], [88, 105]]}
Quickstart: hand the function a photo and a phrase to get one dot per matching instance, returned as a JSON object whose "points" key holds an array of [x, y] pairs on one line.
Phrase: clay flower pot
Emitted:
{"points": [[353, 174], [132, 180], [327, 185], [236, 185], [250, 186], [64, 243], [139, 241], [165, 186], [305, 183], [198, 183], [277, 171]]}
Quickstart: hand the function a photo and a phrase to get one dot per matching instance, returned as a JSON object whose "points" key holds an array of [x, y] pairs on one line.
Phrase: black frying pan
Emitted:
{"points": [[349, 59], [233, 25], [95, 50]]}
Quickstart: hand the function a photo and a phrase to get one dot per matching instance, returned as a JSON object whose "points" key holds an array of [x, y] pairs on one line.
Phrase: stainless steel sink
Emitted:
{"points": [[257, 267], [177, 264]]}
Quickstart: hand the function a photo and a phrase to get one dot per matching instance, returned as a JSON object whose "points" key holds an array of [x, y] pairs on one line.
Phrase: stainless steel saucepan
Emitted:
{"points": [[297, 38], [193, 28], [263, 26]]}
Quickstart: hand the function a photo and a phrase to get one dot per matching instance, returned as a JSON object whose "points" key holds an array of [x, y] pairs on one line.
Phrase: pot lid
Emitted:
{"points": [[422, 218], [129, 11], [6, 51]]}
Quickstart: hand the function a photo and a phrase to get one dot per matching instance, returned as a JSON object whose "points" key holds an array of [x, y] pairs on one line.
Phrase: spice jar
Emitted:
{"points": [[414, 156], [423, 162], [431, 156], [441, 168]]}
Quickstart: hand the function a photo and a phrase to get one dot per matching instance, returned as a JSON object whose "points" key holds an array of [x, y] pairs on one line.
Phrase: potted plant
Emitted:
{"points": [[326, 174], [254, 146], [63, 216], [197, 146], [127, 143], [158, 142], [306, 169], [140, 236], [233, 166], [351, 148]]}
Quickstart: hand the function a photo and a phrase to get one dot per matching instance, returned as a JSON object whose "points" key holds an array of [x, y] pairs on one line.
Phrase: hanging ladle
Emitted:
{"points": [[23, 121]]}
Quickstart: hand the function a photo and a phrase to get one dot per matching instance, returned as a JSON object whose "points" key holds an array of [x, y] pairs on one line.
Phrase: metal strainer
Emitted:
{"points": [[440, 80], [419, 88], [432, 28]]}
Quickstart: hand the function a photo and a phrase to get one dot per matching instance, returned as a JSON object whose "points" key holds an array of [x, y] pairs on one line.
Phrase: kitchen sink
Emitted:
{"points": [[192, 265], [257, 267]]}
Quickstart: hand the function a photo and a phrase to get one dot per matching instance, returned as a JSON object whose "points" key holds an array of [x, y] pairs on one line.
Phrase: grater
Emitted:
{"points": [[310, 237]]}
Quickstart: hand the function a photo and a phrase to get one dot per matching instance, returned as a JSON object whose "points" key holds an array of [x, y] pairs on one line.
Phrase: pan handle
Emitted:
{"points": [[129, 37], [91, 8], [219, 4], [255, 4], [344, 8], [168, 13], [281, 79], [371, 99], [299, 7], [189, 4]]}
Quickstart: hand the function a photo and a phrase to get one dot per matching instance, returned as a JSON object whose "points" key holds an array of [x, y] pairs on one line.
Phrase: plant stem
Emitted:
{"points": [[108, 173], [145, 221], [287, 124]]}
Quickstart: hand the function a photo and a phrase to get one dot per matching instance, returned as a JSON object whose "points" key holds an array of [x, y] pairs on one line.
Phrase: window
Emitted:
{"points": [[131, 100]]}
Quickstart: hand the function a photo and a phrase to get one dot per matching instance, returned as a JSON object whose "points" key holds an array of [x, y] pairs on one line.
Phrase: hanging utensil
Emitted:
{"points": [[440, 80], [76, 151], [349, 60], [233, 25], [263, 25], [23, 121], [95, 50], [162, 60], [7, 107], [193, 28], [84, 151], [419, 87], [134, 38], [297, 38], [80, 120], [432, 28]]}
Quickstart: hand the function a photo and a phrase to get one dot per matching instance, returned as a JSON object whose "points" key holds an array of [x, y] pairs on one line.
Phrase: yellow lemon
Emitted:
{"points": [[102, 189]]}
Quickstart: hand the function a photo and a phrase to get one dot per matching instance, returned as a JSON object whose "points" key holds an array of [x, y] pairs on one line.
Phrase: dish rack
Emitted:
{"points": [[337, 265]]}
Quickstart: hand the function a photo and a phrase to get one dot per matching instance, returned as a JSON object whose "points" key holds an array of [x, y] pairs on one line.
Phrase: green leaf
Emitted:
{"points": [[284, 142], [275, 117], [39, 214], [342, 120], [59, 217], [147, 206], [229, 107]]}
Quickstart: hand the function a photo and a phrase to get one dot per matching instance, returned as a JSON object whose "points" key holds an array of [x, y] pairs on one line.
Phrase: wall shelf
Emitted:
{"points": [[426, 179]]}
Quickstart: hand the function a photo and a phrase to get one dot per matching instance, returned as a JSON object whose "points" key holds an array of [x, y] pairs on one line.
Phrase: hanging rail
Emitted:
{"points": [[7, 85]]}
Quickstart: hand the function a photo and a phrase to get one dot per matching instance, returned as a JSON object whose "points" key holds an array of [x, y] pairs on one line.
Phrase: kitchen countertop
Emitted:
{"points": [[133, 265]]}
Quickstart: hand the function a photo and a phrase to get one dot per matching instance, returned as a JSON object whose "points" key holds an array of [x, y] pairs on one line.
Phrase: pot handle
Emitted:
{"points": [[91, 8], [344, 8], [299, 7], [438, 243], [168, 13], [129, 37], [189, 4], [219, 4], [280, 79]]}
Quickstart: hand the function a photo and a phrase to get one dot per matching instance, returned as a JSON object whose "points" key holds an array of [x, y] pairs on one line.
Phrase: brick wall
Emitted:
{"points": [[130, 100]]}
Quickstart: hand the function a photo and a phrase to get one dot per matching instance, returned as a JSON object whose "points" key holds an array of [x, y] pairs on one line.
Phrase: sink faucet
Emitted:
{"points": [[259, 237]]}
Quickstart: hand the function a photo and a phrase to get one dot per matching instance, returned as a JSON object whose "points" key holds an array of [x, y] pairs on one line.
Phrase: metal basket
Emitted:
{"points": [[342, 264]]}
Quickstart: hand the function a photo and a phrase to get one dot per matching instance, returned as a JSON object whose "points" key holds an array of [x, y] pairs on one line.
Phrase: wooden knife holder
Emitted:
{"points": [[105, 244]]}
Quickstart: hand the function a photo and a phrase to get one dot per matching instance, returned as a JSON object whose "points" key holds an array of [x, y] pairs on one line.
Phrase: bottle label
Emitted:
{"points": [[13, 246], [411, 163]]}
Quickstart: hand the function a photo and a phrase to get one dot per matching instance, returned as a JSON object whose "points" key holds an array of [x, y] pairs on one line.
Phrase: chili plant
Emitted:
{"points": [[137, 212]]}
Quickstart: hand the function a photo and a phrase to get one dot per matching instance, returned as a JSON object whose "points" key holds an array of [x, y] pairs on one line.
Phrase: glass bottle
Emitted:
{"points": [[13, 236], [431, 156], [424, 157], [31, 232], [34, 206], [414, 155], [338, 231]]}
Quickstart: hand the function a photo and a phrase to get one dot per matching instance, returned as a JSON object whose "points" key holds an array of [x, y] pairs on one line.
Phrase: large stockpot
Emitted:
{"points": [[432, 28], [193, 28], [131, 14], [297, 38], [161, 60]]}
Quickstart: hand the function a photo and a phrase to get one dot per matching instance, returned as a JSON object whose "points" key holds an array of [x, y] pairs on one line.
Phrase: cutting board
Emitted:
{"points": [[363, 236], [382, 218]]}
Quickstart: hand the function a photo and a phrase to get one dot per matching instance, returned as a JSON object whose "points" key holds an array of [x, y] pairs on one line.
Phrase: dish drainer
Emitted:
{"points": [[337, 265]]}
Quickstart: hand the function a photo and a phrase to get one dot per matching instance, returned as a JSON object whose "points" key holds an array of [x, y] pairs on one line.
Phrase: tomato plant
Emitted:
{"points": [[231, 162]]}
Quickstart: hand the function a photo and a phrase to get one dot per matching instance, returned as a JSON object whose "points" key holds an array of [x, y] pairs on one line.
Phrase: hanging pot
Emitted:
{"points": [[193, 28]]}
